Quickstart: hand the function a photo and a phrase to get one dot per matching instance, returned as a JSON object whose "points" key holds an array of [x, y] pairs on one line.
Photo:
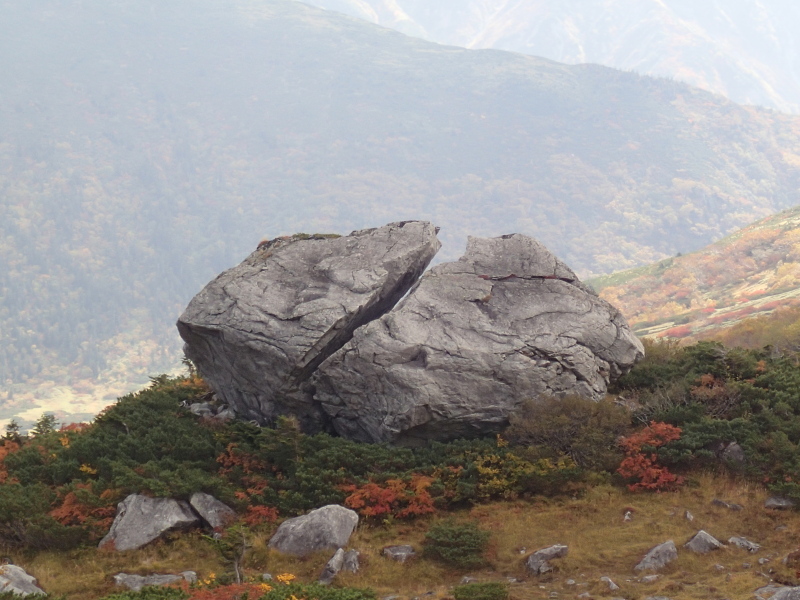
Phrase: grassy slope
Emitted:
{"points": [[147, 146], [752, 272], [600, 544]]}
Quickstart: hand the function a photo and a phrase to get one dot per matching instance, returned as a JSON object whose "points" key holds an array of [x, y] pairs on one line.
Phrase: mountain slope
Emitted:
{"points": [[146, 146], [743, 49], [752, 272]]}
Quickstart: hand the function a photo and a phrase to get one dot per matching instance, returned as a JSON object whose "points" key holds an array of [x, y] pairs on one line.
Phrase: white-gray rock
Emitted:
{"points": [[611, 585], [259, 330], [327, 527], [538, 562], [778, 503], [649, 578], [703, 543], [216, 514], [400, 553], [472, 341], [351, 562], [658, 557], [785, 593], [137, 582], [744, 544], [14, 579], [332, 567], [141, 519]]}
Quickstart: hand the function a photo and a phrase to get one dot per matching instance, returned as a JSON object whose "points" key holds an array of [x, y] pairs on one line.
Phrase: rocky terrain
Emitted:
{"points": [[311, 326]]}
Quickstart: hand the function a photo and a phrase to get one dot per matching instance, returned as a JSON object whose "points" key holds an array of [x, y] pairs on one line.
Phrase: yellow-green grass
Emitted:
{"points": [[600, 544]]}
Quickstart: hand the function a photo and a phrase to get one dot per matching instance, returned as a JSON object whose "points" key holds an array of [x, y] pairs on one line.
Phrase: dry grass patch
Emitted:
{"points": [[600, 544]]}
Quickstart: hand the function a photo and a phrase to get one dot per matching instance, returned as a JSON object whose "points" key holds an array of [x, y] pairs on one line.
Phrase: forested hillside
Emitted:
{"points": [[754, 272], [743, 49], [145, 146]]}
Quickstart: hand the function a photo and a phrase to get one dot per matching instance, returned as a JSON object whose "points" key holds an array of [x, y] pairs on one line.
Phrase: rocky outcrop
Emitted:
{"points": [[471, 342], [327, 527], [14, 579], [216, 514], [307, 325], [259, 330], [140, 520]]}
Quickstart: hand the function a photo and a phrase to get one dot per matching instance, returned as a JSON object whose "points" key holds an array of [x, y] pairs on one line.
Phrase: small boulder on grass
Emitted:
{"points": [[658, 557], [327, 527], [538, 562], [14, 579], [703, 543]]}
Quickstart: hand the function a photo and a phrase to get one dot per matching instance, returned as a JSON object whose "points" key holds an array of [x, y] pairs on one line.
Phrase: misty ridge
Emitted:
{"points": [[146, 146]]}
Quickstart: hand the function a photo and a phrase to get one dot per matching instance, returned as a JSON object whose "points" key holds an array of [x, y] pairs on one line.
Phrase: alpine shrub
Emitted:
{"points": [[459, 545]]}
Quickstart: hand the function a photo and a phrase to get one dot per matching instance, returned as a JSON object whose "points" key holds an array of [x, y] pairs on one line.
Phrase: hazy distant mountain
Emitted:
{"points": [[753, 272], [747, 50], [147, 145]]}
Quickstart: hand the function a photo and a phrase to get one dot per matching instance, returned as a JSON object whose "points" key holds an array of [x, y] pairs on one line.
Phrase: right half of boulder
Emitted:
{"points": [[473, 340]]}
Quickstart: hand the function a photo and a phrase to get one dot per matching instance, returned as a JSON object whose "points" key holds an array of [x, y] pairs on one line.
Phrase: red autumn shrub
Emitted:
{"points": [[641, 461], [396, 497]]}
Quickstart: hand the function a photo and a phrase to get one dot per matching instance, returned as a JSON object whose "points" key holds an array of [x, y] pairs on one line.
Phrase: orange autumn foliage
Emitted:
{"points": [[396, 497], [642, 465], [8, 447], [96, 515]]}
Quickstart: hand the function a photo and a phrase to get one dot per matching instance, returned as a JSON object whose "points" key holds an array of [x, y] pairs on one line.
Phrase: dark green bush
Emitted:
{"points": [[481, 591], [459, 545]]}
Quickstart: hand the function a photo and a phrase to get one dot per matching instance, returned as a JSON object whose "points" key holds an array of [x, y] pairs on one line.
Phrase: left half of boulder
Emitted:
{"points": [[259, 330]]}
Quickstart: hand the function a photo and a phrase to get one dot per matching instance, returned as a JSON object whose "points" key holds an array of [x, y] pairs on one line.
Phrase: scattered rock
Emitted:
{"points": [[14, 579], [327, 527], [778, 503], [259, 330], [780, 593], [781, 528], [650, 578], [658, 557], [703, 543], [733, 453], [763, 561], [473, 340], [399, 553], [467, 579], [611, 585], [137, 582], [537, 563], [266, 577], [745, 544], [332, 568], [688, 516], [217, 514], [351, 562], [570, 582], [140, 520], [628, 516], [341, 561], [728, 505], [719, 567]]}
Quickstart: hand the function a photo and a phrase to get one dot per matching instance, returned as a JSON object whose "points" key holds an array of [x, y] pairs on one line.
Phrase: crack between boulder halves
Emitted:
{"points": [[343, 330]]}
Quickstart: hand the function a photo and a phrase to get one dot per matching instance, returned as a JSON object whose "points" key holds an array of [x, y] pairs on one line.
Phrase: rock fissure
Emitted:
{"points": [[383, 353]]}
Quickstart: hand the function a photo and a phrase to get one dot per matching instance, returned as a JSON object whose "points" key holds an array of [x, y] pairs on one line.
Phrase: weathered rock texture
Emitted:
{"points": [[137, 582], [538, 563], [217, 514], [658, 557], [259, 330], [15, 580], [306, 326], [471, 342], [703, 542], [327, 527], [140, 520]]}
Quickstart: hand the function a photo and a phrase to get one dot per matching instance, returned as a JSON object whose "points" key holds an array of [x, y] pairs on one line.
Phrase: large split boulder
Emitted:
{"points": [[329, 527], [259, 330], [475, 338], [140, 520], [311, 326]]}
